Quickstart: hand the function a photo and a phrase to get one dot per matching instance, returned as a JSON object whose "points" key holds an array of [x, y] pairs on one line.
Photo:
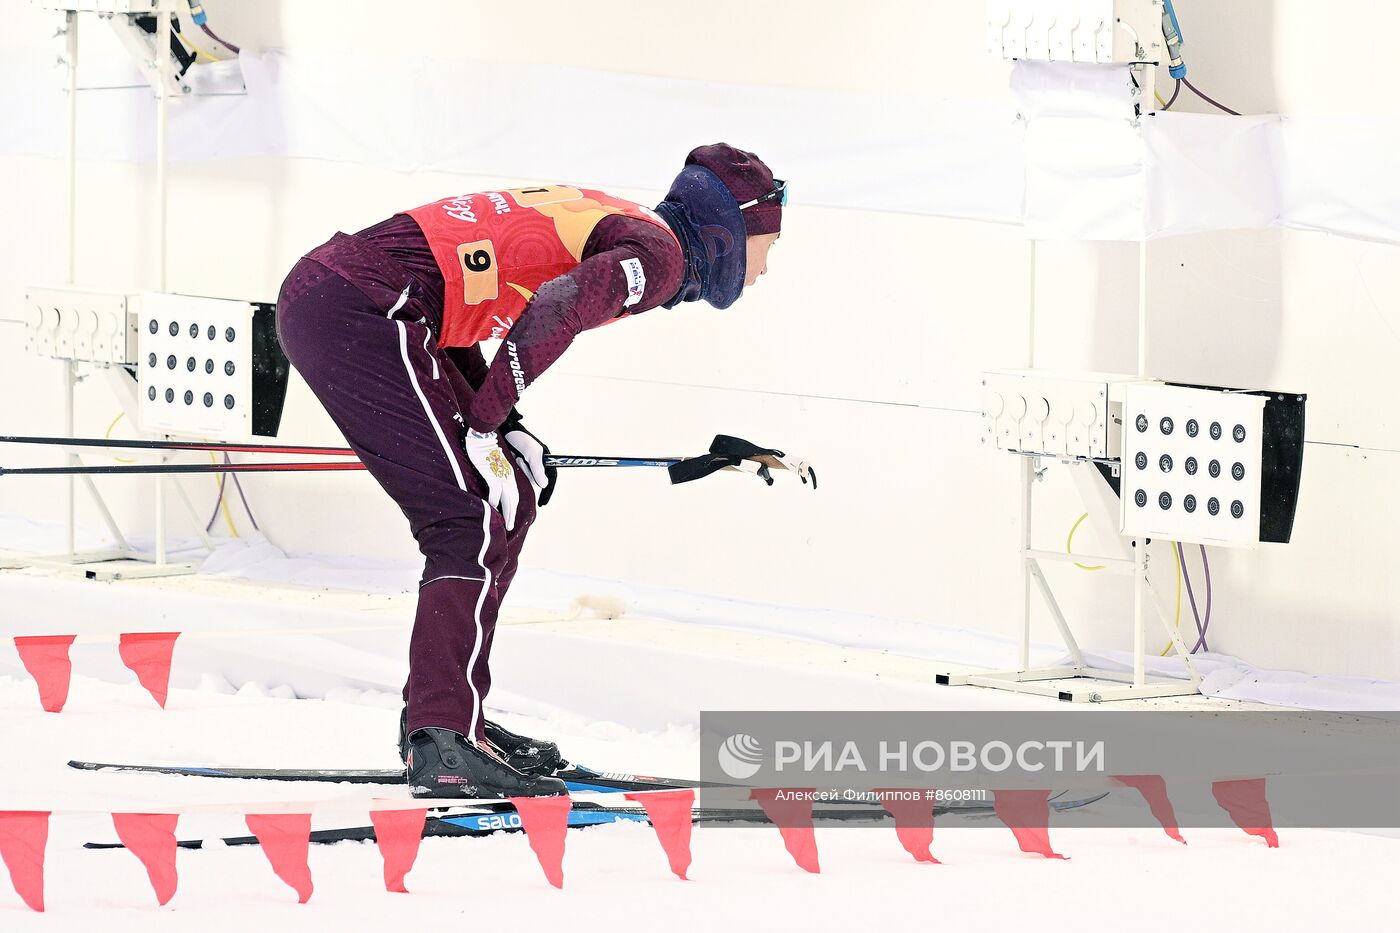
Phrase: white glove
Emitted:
{"points": [[531, 452], [491, 464]]}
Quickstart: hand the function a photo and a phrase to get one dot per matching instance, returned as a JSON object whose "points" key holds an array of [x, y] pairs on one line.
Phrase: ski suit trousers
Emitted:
{"points": [[356, 327]]}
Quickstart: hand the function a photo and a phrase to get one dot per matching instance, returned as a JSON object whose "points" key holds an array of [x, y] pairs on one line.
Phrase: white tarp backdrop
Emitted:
{"points": [[1066, 158]]}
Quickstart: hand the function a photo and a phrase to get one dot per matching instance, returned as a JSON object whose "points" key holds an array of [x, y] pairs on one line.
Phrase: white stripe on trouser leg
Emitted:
{"points": [[477, 711], [403, 300], [427, 409]]}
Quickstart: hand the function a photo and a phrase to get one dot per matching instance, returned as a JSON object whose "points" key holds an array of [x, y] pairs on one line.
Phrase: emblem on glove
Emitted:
{"points": [[497, 462]]}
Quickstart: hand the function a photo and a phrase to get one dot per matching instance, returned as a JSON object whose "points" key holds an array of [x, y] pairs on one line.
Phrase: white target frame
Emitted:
{"points": [[194, 366]]}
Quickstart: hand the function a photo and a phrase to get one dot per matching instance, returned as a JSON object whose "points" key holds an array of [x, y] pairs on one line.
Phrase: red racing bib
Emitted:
{"points": [[496, 248]]}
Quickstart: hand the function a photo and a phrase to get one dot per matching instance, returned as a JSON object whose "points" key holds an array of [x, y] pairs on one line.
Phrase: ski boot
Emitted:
{"points": [[524, 754], [441, 763]]}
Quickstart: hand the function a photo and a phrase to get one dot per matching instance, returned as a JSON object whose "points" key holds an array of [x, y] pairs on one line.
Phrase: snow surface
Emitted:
{"points": [[616, 876], [279, 667]]}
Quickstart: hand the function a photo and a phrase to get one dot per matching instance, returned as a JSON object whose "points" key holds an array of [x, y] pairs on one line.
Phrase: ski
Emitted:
{"points": [[578, 778], [484, 820]]}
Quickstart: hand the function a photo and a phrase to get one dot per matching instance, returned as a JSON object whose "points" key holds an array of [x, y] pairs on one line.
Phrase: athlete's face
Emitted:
{"points": [[758, 246]]}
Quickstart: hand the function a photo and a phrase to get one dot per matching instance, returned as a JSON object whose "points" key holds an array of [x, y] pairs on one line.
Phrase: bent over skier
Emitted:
{"points": [[385, 326]]}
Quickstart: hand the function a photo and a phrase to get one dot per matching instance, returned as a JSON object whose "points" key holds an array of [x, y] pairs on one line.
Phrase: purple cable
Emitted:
{"points": [[219, 501], [1210, 592], [1175, 94], [228, 45], [244, 499], [1191, 593], [1214, 103]]}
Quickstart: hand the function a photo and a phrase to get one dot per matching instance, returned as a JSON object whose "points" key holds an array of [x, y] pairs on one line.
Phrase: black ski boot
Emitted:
{"points": [[442, 763], [532, 756], [524, 754]]}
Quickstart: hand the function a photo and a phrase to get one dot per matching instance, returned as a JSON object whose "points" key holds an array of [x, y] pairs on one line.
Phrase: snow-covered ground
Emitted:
{"points": [[279, 667], [616, 877]]}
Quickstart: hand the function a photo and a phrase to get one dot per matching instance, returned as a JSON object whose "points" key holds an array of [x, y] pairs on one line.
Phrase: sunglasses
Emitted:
{"points": [[779, 194]]}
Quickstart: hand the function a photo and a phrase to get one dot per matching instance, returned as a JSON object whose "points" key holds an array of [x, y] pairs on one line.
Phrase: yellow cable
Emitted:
{"points": [[1160, 101], [1069, 544], [107, 436], [198, 51], [1177, 557], [223, 501]]}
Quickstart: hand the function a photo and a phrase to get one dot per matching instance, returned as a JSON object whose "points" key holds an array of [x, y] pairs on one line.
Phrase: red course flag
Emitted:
{"points": [[148, 655], [45, 657], [23, 835], [286, 839], [1248, 807], [546, 821], [670, 815], [151, 838], [913, 820], [1027, 814], [398, 833], [793, 817], [1154, 790]]}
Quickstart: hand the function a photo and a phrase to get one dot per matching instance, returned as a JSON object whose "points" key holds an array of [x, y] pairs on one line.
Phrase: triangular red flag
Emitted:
{"points": [[912, 810], [151, 838], [398, 834], [23, 836], [286, 839], [147, 654], [1027, 814], [670, 815], [546, 822], [790, 809], [1248, 807], [45, 657], [1154, 790]]}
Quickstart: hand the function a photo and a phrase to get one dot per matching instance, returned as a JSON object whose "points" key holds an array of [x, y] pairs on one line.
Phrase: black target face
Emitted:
{"points": [[1215, 430], [1215, 469], [1191, 466], [153, 326], [151, 359], [190, 364], [174, 329], [1164, 501], [209, 367], [194, 331], [1167, 425], [151, 393], [1237, 471], [170, 361], [228, 368], [1141, 424], [189, 397], [1140, 497], [1193, 427], [229, 334], [208, 399], [211, 333], [228, 401], [1238, 434], [1213, 505], [1237, 509], [1141, 460], [169, 395], [1164, 463], [1189, 503]]}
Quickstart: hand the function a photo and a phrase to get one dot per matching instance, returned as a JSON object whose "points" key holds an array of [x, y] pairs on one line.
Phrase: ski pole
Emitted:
{"points": [[211, 446], [158, 468], [137, 469]]}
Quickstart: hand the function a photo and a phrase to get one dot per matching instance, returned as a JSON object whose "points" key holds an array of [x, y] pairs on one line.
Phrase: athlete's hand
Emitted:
{"points": [[530, 455], [490, 462]]}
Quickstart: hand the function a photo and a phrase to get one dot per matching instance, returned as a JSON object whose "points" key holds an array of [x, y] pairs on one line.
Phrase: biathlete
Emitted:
{"points": [[385, 326]]}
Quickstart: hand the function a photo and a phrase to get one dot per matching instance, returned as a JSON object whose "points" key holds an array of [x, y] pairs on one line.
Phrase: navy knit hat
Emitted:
{"points": [[747, 178]]}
